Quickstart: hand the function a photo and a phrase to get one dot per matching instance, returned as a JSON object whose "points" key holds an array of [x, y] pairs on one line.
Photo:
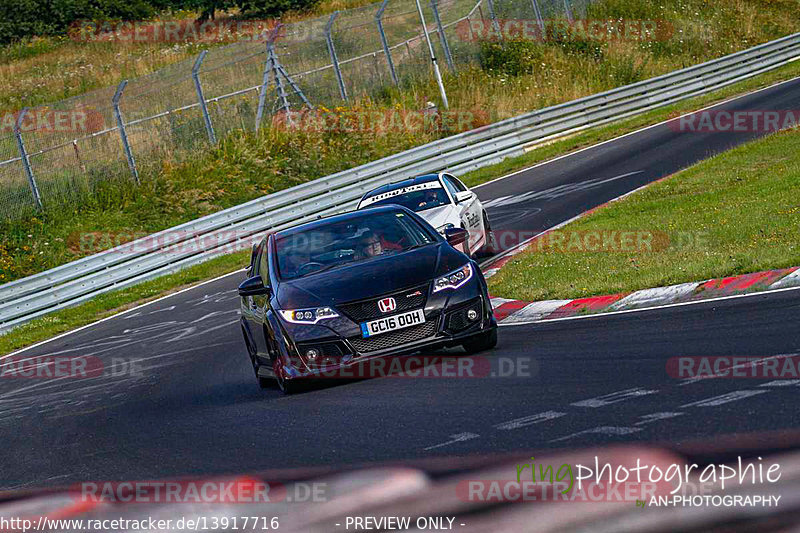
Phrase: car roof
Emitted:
{"points": [[324, 221], [426, 178]]}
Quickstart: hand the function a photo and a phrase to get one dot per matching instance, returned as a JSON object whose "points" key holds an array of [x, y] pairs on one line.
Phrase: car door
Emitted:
{"points": [[470, 211], [254, 307]]}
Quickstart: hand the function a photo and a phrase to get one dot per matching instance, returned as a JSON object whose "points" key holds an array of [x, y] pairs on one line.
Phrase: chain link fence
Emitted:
{"points": [[58, 153]]}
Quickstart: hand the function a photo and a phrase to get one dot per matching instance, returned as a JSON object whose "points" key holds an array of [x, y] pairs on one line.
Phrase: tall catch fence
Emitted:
{"points": [[57, 153]]}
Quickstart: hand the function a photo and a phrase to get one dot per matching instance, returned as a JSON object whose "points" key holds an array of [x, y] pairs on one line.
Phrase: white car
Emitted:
{"points": [[444, 202]]}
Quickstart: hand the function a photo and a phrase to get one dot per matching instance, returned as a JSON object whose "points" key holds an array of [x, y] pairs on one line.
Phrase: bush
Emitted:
{"points": [[514, 58]]}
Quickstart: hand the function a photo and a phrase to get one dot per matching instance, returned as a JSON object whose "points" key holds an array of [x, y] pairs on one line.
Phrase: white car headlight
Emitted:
{"points": [[308, 316], [454, 279]]}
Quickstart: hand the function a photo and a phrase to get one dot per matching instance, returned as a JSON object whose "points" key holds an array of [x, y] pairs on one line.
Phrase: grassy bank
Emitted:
{"points": [[732, 214]]}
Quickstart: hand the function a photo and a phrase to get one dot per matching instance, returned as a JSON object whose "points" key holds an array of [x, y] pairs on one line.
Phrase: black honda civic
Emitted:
{"points": [[333, 293]]}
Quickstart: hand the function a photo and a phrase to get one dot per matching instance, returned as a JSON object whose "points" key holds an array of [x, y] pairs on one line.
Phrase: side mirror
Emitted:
{"points": [[464, 196], [253, 287], [455, 236]]}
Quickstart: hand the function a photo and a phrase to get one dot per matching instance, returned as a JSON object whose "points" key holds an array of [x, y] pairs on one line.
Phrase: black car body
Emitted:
{"points": [[301, 320]]}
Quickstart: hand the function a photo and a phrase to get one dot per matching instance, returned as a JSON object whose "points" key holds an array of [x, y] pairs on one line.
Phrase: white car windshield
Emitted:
{"points": [[418, 200]]}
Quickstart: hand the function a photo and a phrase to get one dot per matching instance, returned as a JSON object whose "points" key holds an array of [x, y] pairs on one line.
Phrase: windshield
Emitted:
{"points": [[416, 197], [347, 241]]}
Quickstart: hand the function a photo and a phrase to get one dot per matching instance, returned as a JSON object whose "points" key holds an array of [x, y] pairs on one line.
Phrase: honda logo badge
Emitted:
{"points": [[387, 304]]}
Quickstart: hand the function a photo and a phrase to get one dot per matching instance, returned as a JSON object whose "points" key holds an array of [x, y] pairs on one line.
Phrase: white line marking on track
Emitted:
{"points": [[614, 397], [121, 313], [656, 417], [725, 398], [529, 420], [458, 437], [601, 430]]}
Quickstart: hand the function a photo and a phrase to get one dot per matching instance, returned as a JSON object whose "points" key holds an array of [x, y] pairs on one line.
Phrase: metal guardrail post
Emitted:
{"points": [[122, 133], [200, 99], [538, 14], [384, 42], [568, 11], [334, 59], [442, 36], [26, 162], [493, 16]]}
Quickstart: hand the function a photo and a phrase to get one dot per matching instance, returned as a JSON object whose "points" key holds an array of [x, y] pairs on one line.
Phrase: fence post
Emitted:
{"points": [[122, 133], [201, 100], [442, 36], [384, 42], [334, 59], [262, 95], [538, 14], [26, 162], [493, 16], [568, 11]]}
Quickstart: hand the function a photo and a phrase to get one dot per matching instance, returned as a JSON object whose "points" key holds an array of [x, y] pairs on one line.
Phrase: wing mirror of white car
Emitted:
{"points": [[464, 196], [455, 236]]}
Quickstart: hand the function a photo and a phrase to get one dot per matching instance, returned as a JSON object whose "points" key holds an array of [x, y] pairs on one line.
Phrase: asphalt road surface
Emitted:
{"points": [[177, 394]]}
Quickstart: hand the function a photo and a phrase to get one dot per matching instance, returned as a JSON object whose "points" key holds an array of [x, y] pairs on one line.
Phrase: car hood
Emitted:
{"points": [[439, 216], [370, 278]]}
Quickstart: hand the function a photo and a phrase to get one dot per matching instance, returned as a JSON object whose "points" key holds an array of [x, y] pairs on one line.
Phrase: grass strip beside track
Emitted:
{"points": [[732, 214]]}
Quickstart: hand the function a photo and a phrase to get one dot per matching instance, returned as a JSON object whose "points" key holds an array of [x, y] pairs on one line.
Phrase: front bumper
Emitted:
{"points": [[444, 327]]}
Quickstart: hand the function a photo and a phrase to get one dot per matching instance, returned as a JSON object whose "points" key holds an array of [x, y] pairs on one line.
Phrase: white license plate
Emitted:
{"points": [[392, 323]]}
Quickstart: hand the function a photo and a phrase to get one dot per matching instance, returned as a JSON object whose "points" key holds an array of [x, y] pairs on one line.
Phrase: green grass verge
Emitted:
{"points": [[237, 189], [732, 214], [604, 133], [114, 302]]}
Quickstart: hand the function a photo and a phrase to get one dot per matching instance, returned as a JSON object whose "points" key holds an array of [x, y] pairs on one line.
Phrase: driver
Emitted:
{"points": [[370, 245], [296, 258], [430, 199]]}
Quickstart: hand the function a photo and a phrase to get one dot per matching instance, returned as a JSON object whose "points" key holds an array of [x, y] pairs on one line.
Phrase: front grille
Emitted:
{"points": [[361, 311], [394, 338]]}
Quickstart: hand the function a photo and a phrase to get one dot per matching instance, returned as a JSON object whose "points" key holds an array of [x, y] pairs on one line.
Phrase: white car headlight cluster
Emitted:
{"points": [[308, 316], [441, 229], [454, 279]]}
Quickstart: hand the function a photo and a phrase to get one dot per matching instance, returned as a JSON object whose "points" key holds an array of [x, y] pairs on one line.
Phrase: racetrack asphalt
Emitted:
{"points": [[178, 396]]}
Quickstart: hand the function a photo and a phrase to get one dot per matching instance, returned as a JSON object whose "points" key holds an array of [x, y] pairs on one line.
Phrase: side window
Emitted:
{"points": [[263, 268], [255, 255], [451, 188], [457, 182]]}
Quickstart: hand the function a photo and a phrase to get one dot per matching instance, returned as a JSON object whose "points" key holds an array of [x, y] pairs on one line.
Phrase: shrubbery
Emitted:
{"points": [[28, 18]]}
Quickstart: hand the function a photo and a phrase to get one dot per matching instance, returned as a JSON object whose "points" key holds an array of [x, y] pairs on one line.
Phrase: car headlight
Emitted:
{"points": [[447, 226], [308, 316], [454, 279]]}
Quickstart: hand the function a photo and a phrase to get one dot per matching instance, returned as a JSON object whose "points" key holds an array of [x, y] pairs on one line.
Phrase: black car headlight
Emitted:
{"points": [[308, 316], [454, 279]]}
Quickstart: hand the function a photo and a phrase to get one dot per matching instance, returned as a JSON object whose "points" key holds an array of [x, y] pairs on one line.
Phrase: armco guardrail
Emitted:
{"points": [[72, 283]]}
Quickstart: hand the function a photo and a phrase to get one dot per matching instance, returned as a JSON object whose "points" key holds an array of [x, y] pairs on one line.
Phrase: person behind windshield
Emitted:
{"points": [[431, 199], [296, 258], [370, 245]]}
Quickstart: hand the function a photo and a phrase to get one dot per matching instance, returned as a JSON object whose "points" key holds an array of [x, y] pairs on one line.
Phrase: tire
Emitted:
{"points": [[482, 342], [490, 246]]}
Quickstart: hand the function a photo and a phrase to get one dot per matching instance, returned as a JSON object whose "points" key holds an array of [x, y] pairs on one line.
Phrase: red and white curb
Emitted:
{"points": [[511, 311]]}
